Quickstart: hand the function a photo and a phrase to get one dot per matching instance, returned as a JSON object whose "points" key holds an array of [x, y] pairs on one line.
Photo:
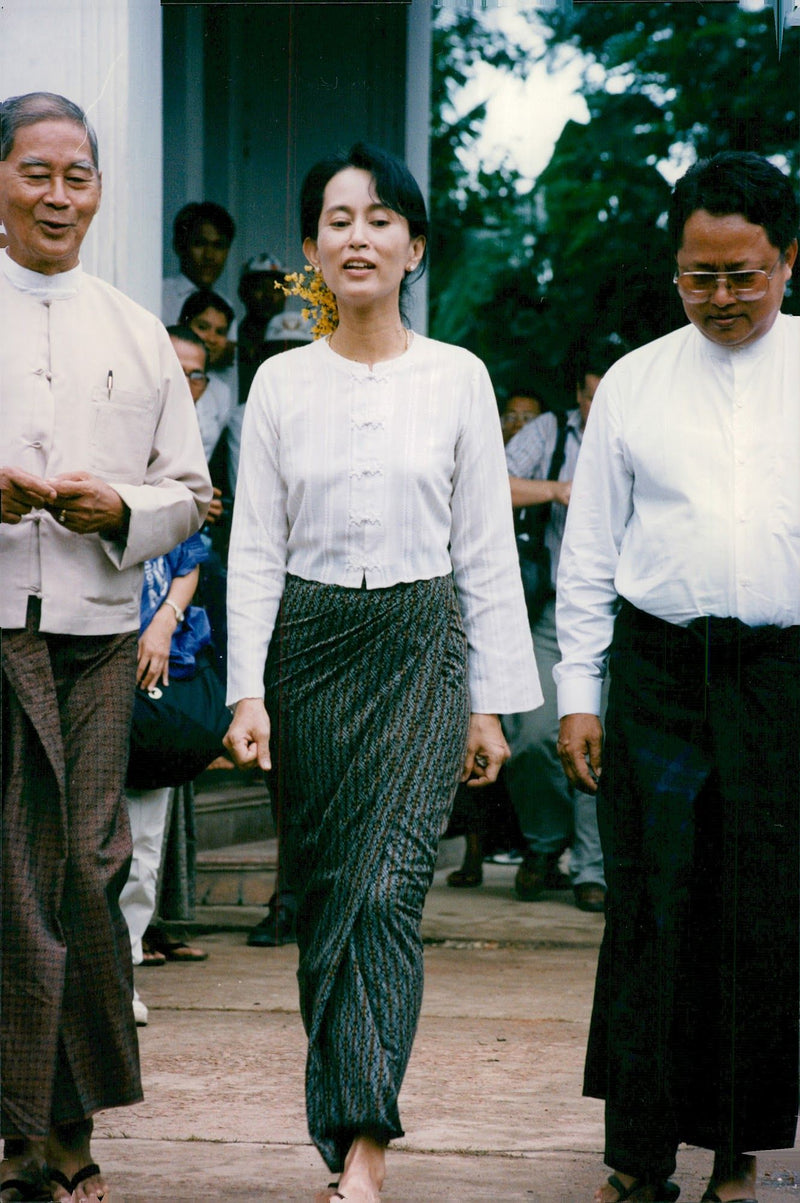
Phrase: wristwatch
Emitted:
{"points": [[179, 614]]}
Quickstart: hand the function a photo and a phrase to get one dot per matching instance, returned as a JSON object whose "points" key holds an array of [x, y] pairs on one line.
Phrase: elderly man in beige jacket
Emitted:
{"points": [[101, 467]]}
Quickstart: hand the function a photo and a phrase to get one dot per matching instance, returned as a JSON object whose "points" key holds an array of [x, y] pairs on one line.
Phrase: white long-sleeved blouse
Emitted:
{"points": [[394, 472]]}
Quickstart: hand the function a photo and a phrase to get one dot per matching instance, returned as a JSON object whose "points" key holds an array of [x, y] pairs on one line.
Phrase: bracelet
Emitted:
{"points": [[179, 614]]}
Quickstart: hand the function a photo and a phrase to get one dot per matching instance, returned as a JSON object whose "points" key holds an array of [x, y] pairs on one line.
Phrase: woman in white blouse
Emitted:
{"points": [[375, 603]]}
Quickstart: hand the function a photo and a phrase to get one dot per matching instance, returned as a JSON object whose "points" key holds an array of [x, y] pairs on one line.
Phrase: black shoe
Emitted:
{"points": [[276, 928], [536, 874], [590, 896]]}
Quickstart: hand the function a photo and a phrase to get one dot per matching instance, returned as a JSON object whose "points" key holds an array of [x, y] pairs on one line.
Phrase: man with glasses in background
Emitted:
{"points": [[680, 572], [552, 815], [212, 400]]}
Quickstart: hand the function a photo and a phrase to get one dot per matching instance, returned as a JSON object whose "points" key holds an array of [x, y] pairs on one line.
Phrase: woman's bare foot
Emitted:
{"points": [[733, 1177], [24, 1160], [68, 1152], [363, 1174], [607, 1193]]}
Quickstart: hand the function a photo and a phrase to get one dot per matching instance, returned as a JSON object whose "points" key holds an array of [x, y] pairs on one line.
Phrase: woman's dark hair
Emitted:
{"points": [[192, 216], [395, 187], [198, 302], [737, 182], [33, 107]]}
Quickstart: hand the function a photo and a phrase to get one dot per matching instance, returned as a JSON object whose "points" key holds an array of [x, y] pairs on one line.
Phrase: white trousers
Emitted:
{"points": [[148, 810]]}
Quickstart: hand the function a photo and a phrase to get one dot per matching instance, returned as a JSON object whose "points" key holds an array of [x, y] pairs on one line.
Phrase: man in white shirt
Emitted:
{"points": [[552, 815], [101, 467], [680, 569], [202, 234]]}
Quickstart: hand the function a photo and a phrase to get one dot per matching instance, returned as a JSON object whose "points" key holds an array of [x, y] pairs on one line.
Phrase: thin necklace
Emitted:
{"points": [[406, 331]]}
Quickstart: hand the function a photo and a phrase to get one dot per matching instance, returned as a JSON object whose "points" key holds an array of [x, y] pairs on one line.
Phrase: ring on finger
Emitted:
{"points": [[481, 760], [62, 516]]}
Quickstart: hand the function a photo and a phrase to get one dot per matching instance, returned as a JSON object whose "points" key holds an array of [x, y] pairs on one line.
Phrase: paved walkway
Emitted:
{"points": [[491, 1103]]}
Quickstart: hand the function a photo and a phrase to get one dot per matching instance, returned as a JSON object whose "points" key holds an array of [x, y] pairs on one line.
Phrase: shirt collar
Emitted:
{"points": [[750, 351], [46, 288]]}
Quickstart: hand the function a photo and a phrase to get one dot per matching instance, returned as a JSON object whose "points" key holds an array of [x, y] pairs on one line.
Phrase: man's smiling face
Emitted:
{"points": [[49, 192]]}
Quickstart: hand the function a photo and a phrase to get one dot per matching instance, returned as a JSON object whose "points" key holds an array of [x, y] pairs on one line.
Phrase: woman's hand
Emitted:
{"points": [[487, 750], [152, 664], [248, 735]]}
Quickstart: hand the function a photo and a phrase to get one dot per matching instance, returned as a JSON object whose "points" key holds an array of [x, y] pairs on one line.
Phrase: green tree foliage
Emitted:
{"points": [[475, 214], [587, 250]]}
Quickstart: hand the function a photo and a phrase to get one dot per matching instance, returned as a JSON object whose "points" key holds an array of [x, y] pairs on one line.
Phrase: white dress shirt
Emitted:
{"points": [[686, 499], [529, 455], [213, 411], [380, 474], [90, 381]]}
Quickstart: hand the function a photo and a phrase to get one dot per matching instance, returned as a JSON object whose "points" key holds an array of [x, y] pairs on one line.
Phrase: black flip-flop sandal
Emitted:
{"points": [[664, 1192], [88, 1171]]}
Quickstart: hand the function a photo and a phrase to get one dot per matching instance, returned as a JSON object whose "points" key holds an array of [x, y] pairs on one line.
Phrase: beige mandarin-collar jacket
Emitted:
{"points": [[89, 380]]}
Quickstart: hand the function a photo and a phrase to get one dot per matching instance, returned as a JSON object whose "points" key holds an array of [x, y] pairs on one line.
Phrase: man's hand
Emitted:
{"points": [[487, 750], [86, 505], [20, 492], [215, 507], [562, 490], [248, 735], [579, 747]]}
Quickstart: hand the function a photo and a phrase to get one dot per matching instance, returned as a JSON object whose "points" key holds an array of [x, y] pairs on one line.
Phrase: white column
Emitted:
{"points": [[106, 56]]}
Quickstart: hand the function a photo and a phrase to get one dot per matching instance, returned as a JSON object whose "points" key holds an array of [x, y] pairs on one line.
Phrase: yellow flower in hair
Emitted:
{"points": [[322, 308]]}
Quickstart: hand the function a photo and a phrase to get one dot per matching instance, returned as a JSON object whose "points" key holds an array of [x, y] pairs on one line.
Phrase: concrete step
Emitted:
{"points": [[243, 874], [231, 807], [237, 875]]}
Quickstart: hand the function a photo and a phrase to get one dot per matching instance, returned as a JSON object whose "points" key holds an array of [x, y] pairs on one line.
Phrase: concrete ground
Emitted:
{"points": [[491, 1103]]}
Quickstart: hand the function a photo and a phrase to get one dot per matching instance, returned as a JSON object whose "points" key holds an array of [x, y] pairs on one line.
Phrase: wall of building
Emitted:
{"points": [[106, 56], [253, 93]]}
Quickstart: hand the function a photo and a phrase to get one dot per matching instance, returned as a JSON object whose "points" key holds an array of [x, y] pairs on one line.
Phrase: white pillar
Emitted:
{"points": [[106, 56]]}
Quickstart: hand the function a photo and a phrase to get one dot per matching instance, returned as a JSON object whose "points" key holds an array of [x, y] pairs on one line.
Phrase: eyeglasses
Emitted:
{"points": [[522, 419], [196, 377], [748, 285]]}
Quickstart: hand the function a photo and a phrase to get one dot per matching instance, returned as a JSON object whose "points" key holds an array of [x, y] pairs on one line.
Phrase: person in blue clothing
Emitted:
{"points": [[172, 633]]}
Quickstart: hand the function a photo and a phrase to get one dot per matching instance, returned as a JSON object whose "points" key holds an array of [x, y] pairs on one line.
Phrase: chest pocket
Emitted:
{"points": [[121, 437]]}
